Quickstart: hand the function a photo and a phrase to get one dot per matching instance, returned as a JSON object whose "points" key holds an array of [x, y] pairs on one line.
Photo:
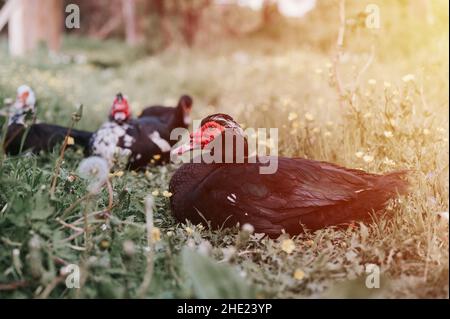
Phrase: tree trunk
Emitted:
{"points": [[16, 29], [52, 18], [192, 16], [164, 24], [132, 31], [33, 21], [5, 13]]}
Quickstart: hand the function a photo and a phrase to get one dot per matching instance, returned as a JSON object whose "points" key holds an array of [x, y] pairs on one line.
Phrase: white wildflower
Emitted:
{"points": [[443, 215], [292, 116], [388, 134], [359, 154], [408, 78], [309, 117], [368, 158]]}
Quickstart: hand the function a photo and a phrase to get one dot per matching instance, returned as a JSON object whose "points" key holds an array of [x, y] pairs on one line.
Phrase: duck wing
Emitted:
{"points": [[162, 113], [300, 191]]}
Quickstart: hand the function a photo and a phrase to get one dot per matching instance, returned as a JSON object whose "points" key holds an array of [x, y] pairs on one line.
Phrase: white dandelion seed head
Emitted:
{"points": [[204, 248], [129, 248], [408, 78], [94, 169], [228, 252], [190, 243], [248, 228]]}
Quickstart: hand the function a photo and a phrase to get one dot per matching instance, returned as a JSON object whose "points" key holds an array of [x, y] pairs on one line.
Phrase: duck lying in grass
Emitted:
{"points": [[179, 116], [24, 135], [301, 193], [134, 143]]}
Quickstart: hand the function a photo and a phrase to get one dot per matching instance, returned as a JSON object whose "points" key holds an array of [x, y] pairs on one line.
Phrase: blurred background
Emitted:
{"points": [[158, 24], [221, 51]]}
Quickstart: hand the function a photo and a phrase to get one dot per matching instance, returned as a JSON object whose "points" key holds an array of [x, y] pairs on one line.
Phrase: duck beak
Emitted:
{"points": [[195, 143], [180, 150], [120, 116]]}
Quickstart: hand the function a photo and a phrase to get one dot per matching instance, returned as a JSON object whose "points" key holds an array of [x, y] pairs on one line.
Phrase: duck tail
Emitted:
{"points": [[385, 188], [81, 138], [394, 183]]}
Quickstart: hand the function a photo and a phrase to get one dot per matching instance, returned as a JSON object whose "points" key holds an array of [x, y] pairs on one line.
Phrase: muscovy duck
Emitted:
{"points": [[35, 137], [133, 143], [179, 116], [301, 193]]}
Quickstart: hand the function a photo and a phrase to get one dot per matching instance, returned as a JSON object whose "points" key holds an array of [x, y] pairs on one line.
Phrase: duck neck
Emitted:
{"points": [[184, 183], [20, 113], [178, 118]]}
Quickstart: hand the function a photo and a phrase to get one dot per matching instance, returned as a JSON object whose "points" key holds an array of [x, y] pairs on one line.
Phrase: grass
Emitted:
{"points": [[394, 122]]}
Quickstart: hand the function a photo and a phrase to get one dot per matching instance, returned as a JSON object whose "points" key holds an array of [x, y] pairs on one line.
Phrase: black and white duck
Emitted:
{"points": [[133, 143], [23, 134]]}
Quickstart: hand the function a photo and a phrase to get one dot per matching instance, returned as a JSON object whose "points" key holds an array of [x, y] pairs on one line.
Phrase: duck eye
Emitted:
{"points": [[212, 132], [212, 125]]}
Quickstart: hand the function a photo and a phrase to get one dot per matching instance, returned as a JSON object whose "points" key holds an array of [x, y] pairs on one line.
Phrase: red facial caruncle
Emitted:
{"points": [[120, 110], [201, 138], [23, 97]]}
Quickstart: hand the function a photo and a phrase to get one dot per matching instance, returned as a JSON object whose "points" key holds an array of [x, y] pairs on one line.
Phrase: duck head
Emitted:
{"points": [[185, 106], [24, 105], [219, 134], [25, 95], [120, 110]]}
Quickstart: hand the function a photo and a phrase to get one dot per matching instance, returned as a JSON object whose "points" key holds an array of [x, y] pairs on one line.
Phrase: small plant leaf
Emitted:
{"points": [[212, 280]]}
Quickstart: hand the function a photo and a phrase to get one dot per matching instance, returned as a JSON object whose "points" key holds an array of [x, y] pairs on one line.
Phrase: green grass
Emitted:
{"points": [[403, 125]]}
